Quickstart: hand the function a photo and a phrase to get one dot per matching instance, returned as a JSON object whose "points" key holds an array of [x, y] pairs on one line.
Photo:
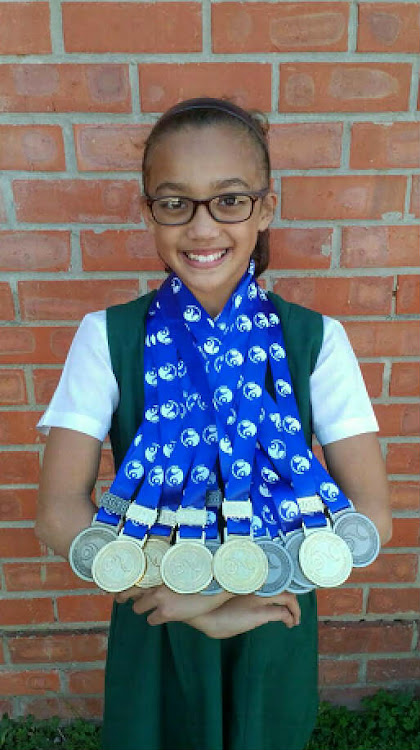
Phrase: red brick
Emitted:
{"points": [[398, 419], [87, 681], [119, 250], [132, 27], [45, 383], [84, 608], [67, 707], [28, 683], [32, 147], [58, 647], [3, 216], [373, 375], [105, 147], [334, 602], [342, 196], [153, 284], [339, 296], [295, 247], [384, 338], [403, 458], [35, 251], [106, 466], [344, 87], [27, 28], [388, 27], [162, 85], [44, 87], [70, 300], [305, 145], [83, 201], [393, 601], [388, 146], [338, 671], [408, 295], [405, 532], [38, 345], [364, 637], [346, 696], [12, 387], [405, 495], [26, 611], [18, 504], [7, 309], [389, 568], [387, 670], [17, 542], [279, 27], [48, 576], [405, 379], [380, 246], [19, 427], [20, 467], [415, 194]]}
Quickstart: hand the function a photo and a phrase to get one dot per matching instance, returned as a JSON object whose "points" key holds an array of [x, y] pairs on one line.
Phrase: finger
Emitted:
{"points": [[279, 613], [132, 593], [288, 600], [145, 604], [155, 618]]}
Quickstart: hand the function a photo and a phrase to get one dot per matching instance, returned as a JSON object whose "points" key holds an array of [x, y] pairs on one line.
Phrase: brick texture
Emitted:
{"points": [[81, 84]]}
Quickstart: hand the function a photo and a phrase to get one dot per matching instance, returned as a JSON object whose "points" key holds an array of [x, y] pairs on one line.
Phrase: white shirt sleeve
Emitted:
{"points": [[340, 403], [87, 393]]}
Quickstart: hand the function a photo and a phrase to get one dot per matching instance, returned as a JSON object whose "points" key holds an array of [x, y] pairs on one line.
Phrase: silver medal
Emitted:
{"points": [[361, 535], [280, 568], [85, 546], [214, 586], [299, 584]]}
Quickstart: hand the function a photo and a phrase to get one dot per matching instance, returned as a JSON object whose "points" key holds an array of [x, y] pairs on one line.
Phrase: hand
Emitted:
{"points": [[243, 613], [168, 606]]}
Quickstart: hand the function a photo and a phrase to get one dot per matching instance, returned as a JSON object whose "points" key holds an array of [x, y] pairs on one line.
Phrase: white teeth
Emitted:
{"points": [[206, 258]]}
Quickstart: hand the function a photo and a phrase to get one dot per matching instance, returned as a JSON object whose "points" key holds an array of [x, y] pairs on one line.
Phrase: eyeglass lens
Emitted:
{"points": [[225, 208]]}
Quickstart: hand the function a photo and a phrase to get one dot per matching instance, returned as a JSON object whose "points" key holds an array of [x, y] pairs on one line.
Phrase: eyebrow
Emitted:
{"points": [[228, 182]]}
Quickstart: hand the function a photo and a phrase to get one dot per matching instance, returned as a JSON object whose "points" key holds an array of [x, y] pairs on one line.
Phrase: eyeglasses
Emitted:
{"points": [[228, 208]]}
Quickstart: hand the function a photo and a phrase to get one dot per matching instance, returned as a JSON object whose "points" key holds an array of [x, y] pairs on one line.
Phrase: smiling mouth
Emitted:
{"points": [[206, 257]]}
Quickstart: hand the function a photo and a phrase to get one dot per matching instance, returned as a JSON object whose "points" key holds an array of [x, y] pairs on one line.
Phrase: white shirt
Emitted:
{"points": [[87, 394]]}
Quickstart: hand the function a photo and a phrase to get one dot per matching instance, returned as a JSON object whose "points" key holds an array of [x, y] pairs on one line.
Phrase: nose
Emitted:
{"points": [[202, 224]]}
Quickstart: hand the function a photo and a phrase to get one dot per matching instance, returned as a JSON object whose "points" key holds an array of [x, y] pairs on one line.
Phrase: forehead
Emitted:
{"points": [[200, 157]]}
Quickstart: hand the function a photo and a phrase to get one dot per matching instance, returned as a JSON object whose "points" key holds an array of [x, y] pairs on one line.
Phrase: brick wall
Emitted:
{"points": [[80, 84]]}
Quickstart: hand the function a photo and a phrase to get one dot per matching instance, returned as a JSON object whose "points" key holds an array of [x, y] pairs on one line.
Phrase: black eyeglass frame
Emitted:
{"points": [[255, 195]]}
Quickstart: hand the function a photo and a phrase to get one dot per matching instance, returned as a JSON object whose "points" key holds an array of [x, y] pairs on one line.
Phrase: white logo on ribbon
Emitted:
{"points": [[268, 516], [291, 425], [329, 491], [151, 452], [241, 468], [237, 300], [261, 320], [152, 414], [269, 475], [174, 476], [182, 368], [168, 448], [176, 284], [212, 345], [252, 390], [277, 449], [150, 339], [163, 336], [170, 410], [275, 417], [150, 377], [225, 445], [134, 470], [257, 354], [138, 439], [262, 414], [256, 524], [155, 477], [288, 509], [182, 410], [201, 403], [211, 518], [233, 358], [263, 294], [192, 399], [223, 395], [277, 352], [246, 428], [243, 323], [210, 434], [264, 491], [192, 313], [200, 473], [252, 291], [273, 319], [283, 388], [299, 464], [218, 362], [190, 437], [167, 372], [231, 419]]}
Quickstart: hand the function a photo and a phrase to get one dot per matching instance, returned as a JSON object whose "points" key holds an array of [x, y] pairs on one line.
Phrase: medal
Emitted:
{"points": [[299, 584], [86, 545], [361, 535], [240, 566], [214, 586], [280, 568], [187, 567], [119, 565], [325, 558], [154, 551]]}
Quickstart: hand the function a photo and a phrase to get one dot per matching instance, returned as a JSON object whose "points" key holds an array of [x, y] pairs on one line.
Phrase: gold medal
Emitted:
{"points": [[119, 565], [325, 558], [187, 567], [240, 566], [154, 550]]}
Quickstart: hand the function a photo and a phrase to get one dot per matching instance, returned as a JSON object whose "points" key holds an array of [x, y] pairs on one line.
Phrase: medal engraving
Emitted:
{"points": [[325, 559], [299, 584], [280, 568], [154, 551], [361, 535], [240, 566], [119, 565], [85, 546], [187, 567]]}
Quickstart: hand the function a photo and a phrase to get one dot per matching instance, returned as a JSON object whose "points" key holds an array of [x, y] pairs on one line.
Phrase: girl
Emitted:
{"points": [[187, 671]]}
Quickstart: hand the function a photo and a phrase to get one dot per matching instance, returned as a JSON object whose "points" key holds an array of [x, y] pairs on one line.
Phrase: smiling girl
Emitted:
{"points": [[235, 670]]}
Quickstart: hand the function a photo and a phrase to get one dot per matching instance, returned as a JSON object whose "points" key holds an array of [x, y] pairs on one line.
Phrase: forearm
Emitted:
{"points": [[57, 529]]}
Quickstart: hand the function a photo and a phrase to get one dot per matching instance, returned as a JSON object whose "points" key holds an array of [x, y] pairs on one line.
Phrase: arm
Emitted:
{"points": [[357, 466]]}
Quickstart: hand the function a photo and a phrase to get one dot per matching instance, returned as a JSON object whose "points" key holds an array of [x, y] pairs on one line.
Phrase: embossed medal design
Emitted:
{"points": [[325, 558], [361, 535], [119, 565], [187, 567], [299, 584], [240, 566], [280, 568], [85, 546], [154, 551]]}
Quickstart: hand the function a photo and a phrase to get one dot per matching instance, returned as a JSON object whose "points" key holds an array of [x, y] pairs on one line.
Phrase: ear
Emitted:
{"points": [[267, 210], [146, 214]]}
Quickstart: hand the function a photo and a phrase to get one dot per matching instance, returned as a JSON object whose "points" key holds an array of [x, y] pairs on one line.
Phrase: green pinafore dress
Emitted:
{"points": [[170, 687]]}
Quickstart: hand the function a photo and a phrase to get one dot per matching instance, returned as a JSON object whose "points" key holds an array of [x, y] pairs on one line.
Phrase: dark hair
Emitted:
{"points": [[208, 111]]}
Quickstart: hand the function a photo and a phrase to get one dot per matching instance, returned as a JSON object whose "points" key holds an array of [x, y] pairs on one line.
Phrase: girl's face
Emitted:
{"points": [[199, 163]]}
